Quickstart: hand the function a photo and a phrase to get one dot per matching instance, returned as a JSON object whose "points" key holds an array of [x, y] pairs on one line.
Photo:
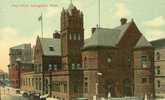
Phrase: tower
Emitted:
{"points": [[72, 39]]}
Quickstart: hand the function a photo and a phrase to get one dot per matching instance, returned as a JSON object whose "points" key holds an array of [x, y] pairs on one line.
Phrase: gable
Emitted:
{"points": [[142, 42], [51, 47], [130, 35], [38, 49]]}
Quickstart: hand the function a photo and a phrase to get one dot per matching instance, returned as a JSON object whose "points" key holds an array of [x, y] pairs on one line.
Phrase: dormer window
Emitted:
{"points": [[51, 48]]}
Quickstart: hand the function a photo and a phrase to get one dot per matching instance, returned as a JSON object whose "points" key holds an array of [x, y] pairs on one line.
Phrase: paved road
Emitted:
{"points": [[14, 98]]}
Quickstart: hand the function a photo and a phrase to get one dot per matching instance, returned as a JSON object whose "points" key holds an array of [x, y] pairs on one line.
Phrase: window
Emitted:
{"points": [[86, 87], [129, 60], [50, 67], [55, 67], [65, 88], [150, 79], [84, 63], [78, 65], [73, 66], [76, 89], [51, 48], [70, 36], [79, 37], [127, 87], [158, 70], [144, 61], [86, 78], [144, 80], [74, 38], [109, 59], [157, 56], [158, 83]]}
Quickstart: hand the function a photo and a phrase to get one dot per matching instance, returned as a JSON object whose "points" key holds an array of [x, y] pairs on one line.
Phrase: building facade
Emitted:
{"points": [[118, 61], [20, 61], [47, 58], [159, 59]]}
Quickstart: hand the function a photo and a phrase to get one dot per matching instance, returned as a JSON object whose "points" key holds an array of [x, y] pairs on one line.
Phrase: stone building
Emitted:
{"points": [[20, 61], [159, 59], [119, 61], [47, 57]]}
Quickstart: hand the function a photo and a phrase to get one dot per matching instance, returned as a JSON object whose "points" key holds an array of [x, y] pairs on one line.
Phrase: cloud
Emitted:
{"points": [[53, 11], [155, 34], [121, 10], [156, 22]]}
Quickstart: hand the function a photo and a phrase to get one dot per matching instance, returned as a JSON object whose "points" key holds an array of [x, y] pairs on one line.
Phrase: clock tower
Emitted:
{"points": [[72, 37]]}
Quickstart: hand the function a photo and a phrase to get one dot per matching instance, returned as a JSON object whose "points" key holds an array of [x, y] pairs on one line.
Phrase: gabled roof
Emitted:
{"points": [[111, 37], [106, 37], [103, 37], [160, 43], [21, 46], [50, 46], [143, 42]]}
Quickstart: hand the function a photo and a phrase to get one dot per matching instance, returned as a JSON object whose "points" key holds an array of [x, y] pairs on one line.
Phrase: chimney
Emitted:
{"points": [[56, 35], [93, 30], [123, 21]]}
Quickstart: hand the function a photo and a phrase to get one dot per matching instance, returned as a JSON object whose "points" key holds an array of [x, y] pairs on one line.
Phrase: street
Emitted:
{"points": [[8, 97], [7, 93]]}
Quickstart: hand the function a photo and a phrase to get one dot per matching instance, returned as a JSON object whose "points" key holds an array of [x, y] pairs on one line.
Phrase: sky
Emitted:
{"points": [[19, 19]]}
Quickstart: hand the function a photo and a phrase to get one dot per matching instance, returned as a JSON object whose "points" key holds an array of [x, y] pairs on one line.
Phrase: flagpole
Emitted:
{"points": [[42, 24], [99, 12]]}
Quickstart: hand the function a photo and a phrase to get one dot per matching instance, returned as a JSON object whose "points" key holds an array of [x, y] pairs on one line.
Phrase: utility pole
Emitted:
{"points": [[0, 91]]}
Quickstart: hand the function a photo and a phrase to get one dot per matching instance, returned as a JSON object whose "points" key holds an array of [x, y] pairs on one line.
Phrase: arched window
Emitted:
{"points": [[110, 87]]}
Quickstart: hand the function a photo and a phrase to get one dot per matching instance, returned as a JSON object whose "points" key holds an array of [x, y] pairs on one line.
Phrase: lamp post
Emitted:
{"points": [[18, 60]]}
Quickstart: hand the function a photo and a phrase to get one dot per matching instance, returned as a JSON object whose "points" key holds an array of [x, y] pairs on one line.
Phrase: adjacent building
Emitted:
{"points": [[20, 61], [4, 77], [159, 59], [47, 58]]}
